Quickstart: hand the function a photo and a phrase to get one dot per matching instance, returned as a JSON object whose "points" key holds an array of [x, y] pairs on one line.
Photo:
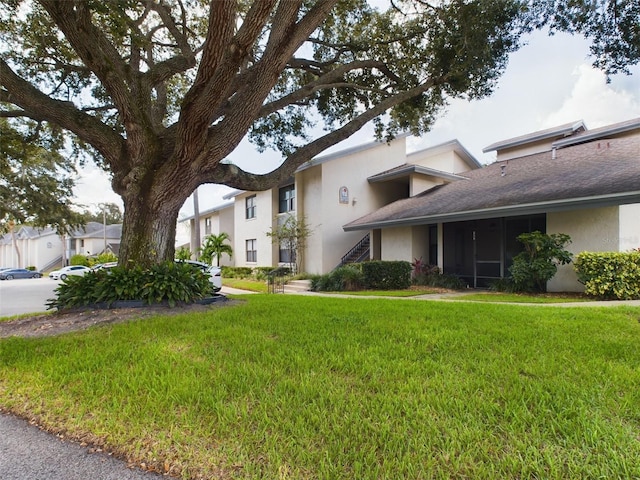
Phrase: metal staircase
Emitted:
{"points": [[359, 253]]}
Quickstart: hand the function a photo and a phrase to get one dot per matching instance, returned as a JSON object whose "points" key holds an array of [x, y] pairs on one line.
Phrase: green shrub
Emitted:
{"points": [[385, 275], [174, 282], [261, 273], [538, 262], [327, 283], [183, 253], [169, 282], [106, 257], [503, 285], [238, 272], [440, 280], [79, 259], [609, 275]]}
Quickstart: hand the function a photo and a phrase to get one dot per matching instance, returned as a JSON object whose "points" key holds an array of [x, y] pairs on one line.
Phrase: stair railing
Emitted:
{"points": [[357, 252]]}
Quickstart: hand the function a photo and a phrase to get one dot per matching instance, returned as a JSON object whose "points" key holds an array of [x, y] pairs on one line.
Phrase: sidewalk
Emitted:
{"points": [[459, 297]]}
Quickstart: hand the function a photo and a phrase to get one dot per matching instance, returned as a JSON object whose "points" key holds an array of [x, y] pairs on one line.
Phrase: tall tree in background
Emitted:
{"points": [[109, 213], [161, 92], [36, 182]]}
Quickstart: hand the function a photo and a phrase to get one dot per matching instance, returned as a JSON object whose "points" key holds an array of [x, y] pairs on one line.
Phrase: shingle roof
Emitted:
{"points": [[407, 169], [556, 132], [587, 174], [97, 230]]}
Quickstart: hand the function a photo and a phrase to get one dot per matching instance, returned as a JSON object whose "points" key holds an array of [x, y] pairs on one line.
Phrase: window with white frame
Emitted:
{"points": [[287, 197], [207, 226], [286, 255], [250, 207], [252, 250]]}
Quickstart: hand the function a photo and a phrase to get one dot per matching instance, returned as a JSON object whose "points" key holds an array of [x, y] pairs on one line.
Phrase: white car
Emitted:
{"points": [[64, 272], [214, 273]]}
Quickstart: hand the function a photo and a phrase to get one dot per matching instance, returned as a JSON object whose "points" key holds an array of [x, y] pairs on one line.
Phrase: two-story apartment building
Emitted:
{"points": [[329, 192], [438, 204]]}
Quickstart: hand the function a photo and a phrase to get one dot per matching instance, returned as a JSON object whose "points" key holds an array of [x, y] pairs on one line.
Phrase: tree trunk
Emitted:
{"points": [[148, 232]]}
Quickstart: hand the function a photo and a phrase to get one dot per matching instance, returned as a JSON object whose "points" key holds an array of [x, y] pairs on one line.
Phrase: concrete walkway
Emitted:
{"points": [[459, 297]]}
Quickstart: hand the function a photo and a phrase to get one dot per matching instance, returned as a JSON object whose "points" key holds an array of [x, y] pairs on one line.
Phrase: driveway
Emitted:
{"points": [[28, 295], [27, 452]]}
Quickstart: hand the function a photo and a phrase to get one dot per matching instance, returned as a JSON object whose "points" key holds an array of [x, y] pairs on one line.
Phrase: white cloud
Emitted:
{"points": [[93, 186], [595, 101]]}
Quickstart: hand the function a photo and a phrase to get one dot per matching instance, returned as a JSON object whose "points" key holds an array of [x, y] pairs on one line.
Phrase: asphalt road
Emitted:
{"points": [[28, 453], [27, 295]]}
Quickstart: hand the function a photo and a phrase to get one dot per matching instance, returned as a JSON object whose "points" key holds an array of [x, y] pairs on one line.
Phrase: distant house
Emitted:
{"points": [[30, 247], [95, 239], [44, 249], [585, 183]]}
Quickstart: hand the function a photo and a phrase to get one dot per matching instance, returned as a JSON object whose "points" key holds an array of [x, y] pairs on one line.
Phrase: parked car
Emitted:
{"points": [[64, 272], [104, 266], [214, 273], [11, 273]]}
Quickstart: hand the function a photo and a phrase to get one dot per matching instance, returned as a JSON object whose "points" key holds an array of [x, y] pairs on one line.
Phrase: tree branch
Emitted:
{"points": [[233, 176], [41, 107], [74, 20], [330, 80], [263, 76], [222, 57]]}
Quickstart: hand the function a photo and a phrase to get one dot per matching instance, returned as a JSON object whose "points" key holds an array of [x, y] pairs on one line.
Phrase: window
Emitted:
{"points": [[250, 206], [207, 226], [252, 250], [287, 197], [286, 255]]}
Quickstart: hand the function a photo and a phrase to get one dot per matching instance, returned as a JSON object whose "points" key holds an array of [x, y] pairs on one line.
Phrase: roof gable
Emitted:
{"points": [[579, 176], [551, 133]]}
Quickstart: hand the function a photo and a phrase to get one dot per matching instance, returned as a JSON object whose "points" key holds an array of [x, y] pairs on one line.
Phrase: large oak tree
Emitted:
{"points": [[162, 91]]}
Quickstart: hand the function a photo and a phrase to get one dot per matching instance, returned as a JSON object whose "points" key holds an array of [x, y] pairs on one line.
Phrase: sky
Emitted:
{"points": [[547, 83]]}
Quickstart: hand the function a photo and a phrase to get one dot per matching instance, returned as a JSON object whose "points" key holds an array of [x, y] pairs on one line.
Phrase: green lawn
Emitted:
{"points": [[522, 298], [387, 293], [299, 387], [246, 284]]}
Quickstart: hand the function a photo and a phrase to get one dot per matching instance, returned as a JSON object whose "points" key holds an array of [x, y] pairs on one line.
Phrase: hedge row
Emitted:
{"points": [[609, 275], [375, 275]]}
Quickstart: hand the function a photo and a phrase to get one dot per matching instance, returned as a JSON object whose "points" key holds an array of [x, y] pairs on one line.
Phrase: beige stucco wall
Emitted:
{"points": [[629, 227], [397, 244], [325, 212], [444, 160], [524, 150], [309, 184], [421, 183], [404, 243], [246, 229], [594, 230], [226, 221]]}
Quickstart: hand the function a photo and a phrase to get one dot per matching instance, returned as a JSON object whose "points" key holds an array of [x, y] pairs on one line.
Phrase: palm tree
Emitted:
{"points": [[214, 246]]}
